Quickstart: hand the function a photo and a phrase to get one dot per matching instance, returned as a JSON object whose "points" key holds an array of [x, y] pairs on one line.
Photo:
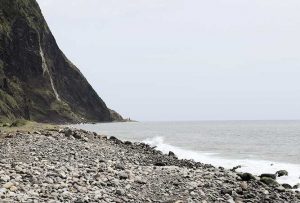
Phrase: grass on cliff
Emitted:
{"points": [[62, 109], [10, 123], [25, 126], [9, 104], [10, 10]]}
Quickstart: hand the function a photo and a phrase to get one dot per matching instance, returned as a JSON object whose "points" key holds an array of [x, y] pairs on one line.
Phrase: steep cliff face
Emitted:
{"points": [[37, 81]]}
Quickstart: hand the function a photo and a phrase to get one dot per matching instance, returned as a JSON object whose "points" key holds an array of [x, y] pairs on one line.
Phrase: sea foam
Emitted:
{"points": [[253, 166]]}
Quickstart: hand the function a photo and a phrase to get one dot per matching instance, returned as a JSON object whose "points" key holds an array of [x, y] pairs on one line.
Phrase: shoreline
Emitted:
{"points": [[141, 173], [254, 165], [262, 160]]}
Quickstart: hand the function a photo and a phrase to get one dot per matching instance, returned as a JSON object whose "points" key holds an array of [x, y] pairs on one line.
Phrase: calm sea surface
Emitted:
{"points": [[259, 146]]}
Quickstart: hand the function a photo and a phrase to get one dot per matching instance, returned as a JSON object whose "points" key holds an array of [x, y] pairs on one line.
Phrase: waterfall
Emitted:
{"points": [[46, 71]]}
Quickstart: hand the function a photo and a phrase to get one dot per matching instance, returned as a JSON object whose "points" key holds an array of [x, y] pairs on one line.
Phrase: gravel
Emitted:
{"points": [[68, 165]]}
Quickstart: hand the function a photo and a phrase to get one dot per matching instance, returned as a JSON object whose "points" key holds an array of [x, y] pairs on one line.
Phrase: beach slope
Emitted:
{"points": [[67, 165]]}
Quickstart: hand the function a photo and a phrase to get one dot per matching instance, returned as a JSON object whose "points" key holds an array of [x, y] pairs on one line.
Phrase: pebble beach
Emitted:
{"points": [[69, 165]]}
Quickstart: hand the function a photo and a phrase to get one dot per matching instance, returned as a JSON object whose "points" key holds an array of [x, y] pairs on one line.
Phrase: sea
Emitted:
{"points": [[258, 146]]}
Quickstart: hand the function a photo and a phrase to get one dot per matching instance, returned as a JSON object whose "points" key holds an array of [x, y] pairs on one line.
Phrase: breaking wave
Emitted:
{"points": [[253, 166]]}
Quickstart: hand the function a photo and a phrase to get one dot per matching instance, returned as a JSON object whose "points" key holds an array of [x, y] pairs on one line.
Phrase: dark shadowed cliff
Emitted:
{"points": [[37, 81]]}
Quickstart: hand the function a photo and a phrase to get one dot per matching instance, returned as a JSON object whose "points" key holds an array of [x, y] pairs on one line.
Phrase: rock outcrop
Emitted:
{"points": [[116, 116], [37, 81]]}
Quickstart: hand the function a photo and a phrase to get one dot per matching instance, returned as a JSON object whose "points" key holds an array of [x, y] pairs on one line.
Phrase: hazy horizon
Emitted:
{"points": [[191, 60]]}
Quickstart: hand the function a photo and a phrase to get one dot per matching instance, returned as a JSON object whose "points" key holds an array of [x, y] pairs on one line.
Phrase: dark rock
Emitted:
{"points": [[246, 176], [235, 168], [9, 136], [296, 186], [128, 143], [77, 135], [268, 175], [160, 164], [153, 148], [269, 181], [113, 138], [287, 186], [172, 154], [282, 173]]}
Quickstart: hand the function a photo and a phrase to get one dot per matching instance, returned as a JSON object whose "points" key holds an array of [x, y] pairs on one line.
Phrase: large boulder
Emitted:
{"points": [[269, 181], [297, 186], [282, 173], [246, 176], [268, 175], [287, 186]]}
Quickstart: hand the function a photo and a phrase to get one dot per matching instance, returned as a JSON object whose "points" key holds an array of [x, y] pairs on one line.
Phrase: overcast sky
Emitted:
{"points": [[185, 59]]}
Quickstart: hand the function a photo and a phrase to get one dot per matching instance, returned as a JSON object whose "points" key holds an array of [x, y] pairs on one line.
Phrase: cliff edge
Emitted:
{"points": [[37, 81]]}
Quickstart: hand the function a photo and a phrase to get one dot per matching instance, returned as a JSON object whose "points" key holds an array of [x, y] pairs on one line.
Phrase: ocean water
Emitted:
{"points": [[258, 146]]}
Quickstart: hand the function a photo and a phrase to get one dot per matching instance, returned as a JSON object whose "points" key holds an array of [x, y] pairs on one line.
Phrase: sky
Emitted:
{"points": [[172, 60]]}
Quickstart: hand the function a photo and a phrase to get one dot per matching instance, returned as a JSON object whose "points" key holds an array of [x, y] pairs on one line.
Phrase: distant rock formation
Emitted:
{"points": [[116, 116], [37, 81]]}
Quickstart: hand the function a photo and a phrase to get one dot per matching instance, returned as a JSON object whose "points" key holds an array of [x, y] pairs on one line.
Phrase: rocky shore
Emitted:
{"points": [[68, 165]]}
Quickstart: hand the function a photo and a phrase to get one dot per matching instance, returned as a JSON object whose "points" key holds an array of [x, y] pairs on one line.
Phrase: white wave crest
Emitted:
{"points": [[253, 166]]}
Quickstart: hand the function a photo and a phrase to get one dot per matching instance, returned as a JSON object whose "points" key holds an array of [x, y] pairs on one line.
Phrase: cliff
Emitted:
{"points": [[37, 81]]}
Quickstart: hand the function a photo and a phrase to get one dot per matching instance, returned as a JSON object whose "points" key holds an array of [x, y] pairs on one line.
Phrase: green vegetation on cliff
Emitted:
{"points": [[37, 81]]}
